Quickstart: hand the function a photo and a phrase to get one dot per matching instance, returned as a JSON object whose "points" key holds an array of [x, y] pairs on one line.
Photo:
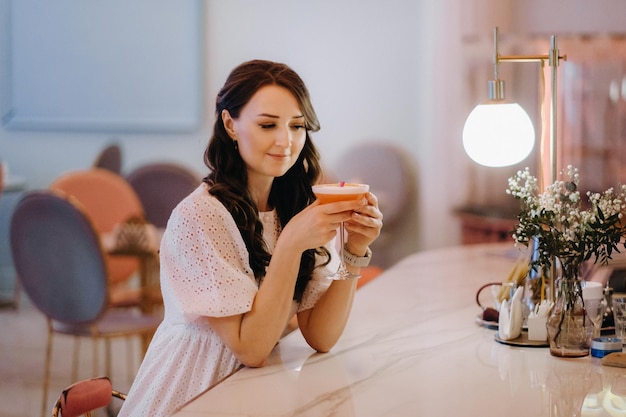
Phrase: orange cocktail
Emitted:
{"points": [[330, 193]]}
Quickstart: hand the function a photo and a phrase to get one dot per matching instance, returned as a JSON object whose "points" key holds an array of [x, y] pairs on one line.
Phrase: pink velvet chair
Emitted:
{"points": [[85, 396], [108, 200], [391, 176]]}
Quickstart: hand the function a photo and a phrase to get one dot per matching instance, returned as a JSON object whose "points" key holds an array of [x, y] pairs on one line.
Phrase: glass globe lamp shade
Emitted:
{"points": [[498, 134]]}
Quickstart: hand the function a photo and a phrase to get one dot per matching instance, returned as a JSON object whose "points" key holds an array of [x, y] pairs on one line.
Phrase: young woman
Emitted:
{"points": [[250, 247]]}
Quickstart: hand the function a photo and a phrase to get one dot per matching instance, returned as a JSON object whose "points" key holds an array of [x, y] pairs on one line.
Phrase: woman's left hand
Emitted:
{"points": [[364, 226]]}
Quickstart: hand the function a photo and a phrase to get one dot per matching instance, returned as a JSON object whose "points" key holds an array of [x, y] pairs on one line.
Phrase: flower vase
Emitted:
{"points": [[568, 326]]}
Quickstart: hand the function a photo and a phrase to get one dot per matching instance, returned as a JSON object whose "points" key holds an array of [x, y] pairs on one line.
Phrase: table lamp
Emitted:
{"points": [[500, 133]]}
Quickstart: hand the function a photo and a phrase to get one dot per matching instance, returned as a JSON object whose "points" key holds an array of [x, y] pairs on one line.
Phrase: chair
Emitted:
{"points": [[85, 396], [160, 187], [109, 201], [109, 158], [390, 175], [62, 268], [368, 274]]}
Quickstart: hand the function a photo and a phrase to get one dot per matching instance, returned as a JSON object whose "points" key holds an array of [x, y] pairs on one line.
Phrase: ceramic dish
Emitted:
{"points": [[485, 323], [489, 324]]}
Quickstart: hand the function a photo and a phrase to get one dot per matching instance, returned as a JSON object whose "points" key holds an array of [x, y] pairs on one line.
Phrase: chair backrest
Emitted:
{"points": [[85, 396], [387, 170], [391, 176], [160, 187], [108, 200], [58, 258], [109, 158]]}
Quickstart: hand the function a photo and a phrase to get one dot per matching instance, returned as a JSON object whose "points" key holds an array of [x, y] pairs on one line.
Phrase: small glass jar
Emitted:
{"points": [[602, 346]]}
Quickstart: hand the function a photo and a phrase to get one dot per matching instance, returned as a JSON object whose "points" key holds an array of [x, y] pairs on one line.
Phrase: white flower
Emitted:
{"points": [[563, 227]]}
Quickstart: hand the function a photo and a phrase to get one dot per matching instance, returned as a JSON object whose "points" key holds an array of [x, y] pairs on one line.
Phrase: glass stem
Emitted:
{"points": [[342, 264]]}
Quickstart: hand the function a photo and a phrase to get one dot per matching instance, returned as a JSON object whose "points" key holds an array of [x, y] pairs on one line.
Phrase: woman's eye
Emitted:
{"points": [[267, 125], [297, 127]]}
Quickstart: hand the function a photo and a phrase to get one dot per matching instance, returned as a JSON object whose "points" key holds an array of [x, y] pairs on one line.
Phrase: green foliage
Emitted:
{"points": [[565, 229]]}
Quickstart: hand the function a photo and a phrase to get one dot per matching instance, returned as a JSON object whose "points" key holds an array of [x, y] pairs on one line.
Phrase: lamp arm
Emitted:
{"points": [[552, 58]]}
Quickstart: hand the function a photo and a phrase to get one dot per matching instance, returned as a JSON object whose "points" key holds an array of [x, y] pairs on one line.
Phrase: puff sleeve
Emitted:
{"points": [[204, 261]]}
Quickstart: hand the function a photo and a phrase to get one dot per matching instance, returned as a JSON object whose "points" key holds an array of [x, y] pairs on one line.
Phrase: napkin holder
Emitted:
{"points": [[510, 318], [537, 320]]}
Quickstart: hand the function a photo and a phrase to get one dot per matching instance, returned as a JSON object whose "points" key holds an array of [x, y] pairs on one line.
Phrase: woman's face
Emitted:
{"points": [[270, 132]]}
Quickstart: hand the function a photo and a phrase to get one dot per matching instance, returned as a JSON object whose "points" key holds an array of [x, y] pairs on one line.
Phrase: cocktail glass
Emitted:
{"points": [[330, 193], [595, 310], [593, 297]]}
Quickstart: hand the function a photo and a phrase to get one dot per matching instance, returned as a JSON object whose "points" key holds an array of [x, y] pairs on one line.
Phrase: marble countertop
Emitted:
{"points": [[412, 348]]}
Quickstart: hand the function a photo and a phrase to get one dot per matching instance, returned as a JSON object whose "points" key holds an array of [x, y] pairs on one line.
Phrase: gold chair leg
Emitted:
{"points": [[130, 363], [75, 359], [46, 376], [95, 359], [107, 367], [107, 356]]}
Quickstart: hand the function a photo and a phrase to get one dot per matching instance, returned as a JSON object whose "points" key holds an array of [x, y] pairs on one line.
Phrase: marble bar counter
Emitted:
{"points": [[412, 347]]}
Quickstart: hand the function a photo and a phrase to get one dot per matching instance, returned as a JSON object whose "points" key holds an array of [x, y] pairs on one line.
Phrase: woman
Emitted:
{"points": [[250, 247]]}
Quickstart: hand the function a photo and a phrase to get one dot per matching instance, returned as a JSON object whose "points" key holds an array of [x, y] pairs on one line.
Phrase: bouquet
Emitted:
{"points": [[563, 225]]}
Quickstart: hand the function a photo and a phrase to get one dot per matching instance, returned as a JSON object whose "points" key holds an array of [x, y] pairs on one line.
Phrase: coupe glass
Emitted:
{"points": [[330, 193], [595, 311]]}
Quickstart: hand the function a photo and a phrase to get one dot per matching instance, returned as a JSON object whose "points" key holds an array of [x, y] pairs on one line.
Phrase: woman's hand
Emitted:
{"points": [[252, 335], [317, 224], [364, 226], [322, 325]]}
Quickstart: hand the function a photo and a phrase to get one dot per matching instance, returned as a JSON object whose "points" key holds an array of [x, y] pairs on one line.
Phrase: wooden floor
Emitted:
{"points": [[22, 348]]}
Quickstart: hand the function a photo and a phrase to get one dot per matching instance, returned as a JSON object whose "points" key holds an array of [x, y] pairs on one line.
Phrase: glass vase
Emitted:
{"points": [[569, 328]]}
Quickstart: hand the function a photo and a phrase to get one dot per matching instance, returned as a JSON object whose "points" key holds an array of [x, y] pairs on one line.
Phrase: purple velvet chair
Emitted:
{"points": [[160, 187], [61, 266], [109, 158]]}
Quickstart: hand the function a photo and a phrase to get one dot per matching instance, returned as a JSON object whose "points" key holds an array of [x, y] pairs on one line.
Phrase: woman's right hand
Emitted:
{"points": [[317, 224]]}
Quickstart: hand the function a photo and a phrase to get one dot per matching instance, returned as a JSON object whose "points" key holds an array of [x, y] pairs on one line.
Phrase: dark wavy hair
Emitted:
{"points": [[228, 178]]}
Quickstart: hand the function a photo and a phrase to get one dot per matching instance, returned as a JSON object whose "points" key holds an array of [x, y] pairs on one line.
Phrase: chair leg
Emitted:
{"points": [[107, 367], [146, 338], [130, 363], [96, 357], [46, 376], [75, 357], [16, 294], [107, 357]]}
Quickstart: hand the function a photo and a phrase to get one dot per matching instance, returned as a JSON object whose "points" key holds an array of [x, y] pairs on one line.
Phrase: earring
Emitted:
{"points": [[236, 145]]}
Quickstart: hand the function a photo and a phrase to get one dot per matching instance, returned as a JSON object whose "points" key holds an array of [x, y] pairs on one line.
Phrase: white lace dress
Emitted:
{"points": [[204, 272]]}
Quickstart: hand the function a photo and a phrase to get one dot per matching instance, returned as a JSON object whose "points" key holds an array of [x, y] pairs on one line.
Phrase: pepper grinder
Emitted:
{"points": [[608, 322]]}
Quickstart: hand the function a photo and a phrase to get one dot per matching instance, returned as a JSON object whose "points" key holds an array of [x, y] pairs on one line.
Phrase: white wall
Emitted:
{"points": [[569, 16], [388, 70], [366, 65]]}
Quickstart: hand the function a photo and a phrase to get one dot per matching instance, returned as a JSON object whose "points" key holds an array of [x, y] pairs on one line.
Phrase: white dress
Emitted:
{"points": [[204, 272]]}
